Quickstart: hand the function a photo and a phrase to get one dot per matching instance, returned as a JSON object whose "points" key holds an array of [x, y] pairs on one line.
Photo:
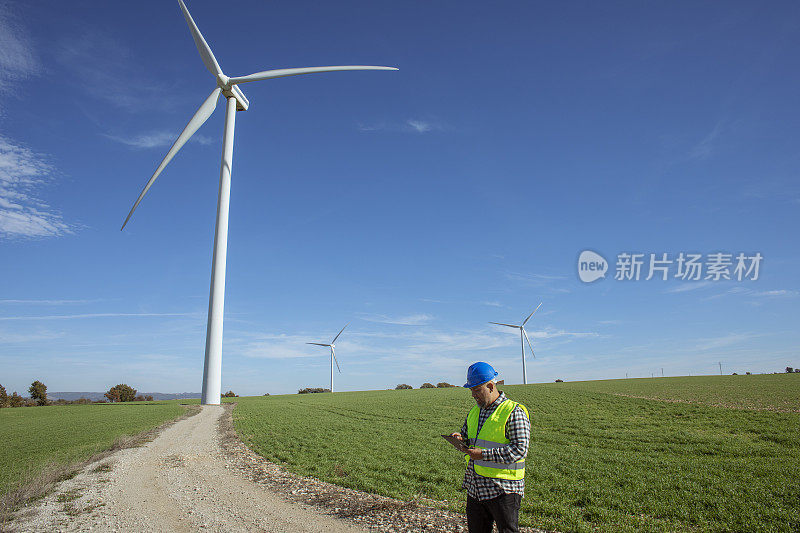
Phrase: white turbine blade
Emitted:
{"points": [[318, 344], [509, 325], [529, 342], [199, 118], [283, 72], [530, 315], [333, 353], [337, 335], [202, 46]]}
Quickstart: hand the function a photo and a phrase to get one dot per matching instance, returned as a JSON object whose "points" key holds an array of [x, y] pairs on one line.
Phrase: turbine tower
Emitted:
{"points": [[333, 352], [236, 101], [522, 333]]}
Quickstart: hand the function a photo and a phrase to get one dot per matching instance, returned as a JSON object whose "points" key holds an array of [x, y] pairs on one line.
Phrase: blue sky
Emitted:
{"points": [[417, 205]]}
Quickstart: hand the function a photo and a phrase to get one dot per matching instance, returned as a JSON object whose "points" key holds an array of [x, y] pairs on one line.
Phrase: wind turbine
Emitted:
{"points": [[236, 101], [523, 333], [332, 346]]}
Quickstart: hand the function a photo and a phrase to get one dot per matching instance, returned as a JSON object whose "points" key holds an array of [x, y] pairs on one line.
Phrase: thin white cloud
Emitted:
{"points": [[779, 292], [280, 346], [371, 127], [408, 320], [156, 139], [705, 147], [688, 286], [22, 213], [744, 291], [724, 341], [18, 59], [493, 304], [106, 68], [92, 315], [420, 126], [556, 333], [533, 279], [48, 302], [411, 125], [10, 337]]}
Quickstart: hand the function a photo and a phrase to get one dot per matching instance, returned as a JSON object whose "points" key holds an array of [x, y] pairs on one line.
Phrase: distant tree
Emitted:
{"points": [[266, 394], [796, 370], [83, 401], [3, 397], [38, 392], [16, 400], [230, 394], [559, 381], [427, 386], [121, 393], [747, 373], [148, 398], [310, 390], [444, 385], [403, 386], [789, 370], [734, 374], [139, 398]]}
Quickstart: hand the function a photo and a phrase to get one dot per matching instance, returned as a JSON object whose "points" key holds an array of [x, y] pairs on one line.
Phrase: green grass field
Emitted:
{"points": [[771, 392], [598, 461], [33, 437]]}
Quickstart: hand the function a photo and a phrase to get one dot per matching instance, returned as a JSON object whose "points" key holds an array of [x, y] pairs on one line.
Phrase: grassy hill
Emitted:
{"points": [[624, 455]]}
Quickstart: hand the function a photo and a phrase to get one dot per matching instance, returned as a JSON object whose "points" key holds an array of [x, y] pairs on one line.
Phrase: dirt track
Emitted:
{"points": [[181, 481]]}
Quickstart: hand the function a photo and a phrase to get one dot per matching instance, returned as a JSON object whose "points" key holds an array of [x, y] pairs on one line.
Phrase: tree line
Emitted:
{"points": [[440, 385], [38, 396]]}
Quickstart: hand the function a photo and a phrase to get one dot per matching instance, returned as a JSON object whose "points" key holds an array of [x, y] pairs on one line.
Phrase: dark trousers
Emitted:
{"points": [[503, 509]]}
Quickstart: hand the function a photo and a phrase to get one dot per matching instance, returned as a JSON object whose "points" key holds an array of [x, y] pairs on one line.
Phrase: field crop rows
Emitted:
{"points": [[34, 437], [597, 460], [770, 392]]}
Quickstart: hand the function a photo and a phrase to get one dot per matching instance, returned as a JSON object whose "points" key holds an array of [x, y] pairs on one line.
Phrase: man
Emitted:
{"points": [[497, 431]]}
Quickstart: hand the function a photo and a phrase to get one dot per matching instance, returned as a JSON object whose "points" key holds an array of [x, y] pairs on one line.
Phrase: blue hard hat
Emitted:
{"points": [[479, 373]]}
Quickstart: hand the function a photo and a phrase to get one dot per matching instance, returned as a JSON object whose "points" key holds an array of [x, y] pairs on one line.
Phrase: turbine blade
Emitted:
{"points": [[282, 72], [337, 335], [199, 118], [509, 325], [529, 342], [201, 44], [318, 344], [333, 353], [530, 315]]}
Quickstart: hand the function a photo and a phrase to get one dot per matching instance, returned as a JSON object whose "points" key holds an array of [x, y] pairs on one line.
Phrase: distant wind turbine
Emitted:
{"points": [[332, 346], [236, 101], [522, 334]]}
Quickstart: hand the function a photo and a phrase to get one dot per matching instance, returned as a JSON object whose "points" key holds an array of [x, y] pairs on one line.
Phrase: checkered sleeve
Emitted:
{"points": [[518, 432], [464, 431]]}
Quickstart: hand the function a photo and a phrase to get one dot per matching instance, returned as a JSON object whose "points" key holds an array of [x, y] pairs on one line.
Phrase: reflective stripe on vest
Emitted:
{"points": [[505, 466], [492, 435]]}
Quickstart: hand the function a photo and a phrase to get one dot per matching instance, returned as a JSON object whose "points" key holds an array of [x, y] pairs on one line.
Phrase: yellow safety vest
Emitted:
{"points": [[493, 435]]}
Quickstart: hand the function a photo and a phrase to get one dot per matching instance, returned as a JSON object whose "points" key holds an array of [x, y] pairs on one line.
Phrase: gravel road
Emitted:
{"points": [[181, 481]]}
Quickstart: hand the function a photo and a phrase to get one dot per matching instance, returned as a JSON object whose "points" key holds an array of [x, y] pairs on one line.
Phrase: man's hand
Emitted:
{"points": [[457, 436], [475, 454]]}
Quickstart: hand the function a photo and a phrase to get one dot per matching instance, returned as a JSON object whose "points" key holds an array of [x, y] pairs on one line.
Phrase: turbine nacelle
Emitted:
{"points": [[242, 103]]}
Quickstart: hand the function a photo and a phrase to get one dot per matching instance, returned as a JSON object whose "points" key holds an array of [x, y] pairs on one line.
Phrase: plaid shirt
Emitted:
{"points": [[518, 432]]}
